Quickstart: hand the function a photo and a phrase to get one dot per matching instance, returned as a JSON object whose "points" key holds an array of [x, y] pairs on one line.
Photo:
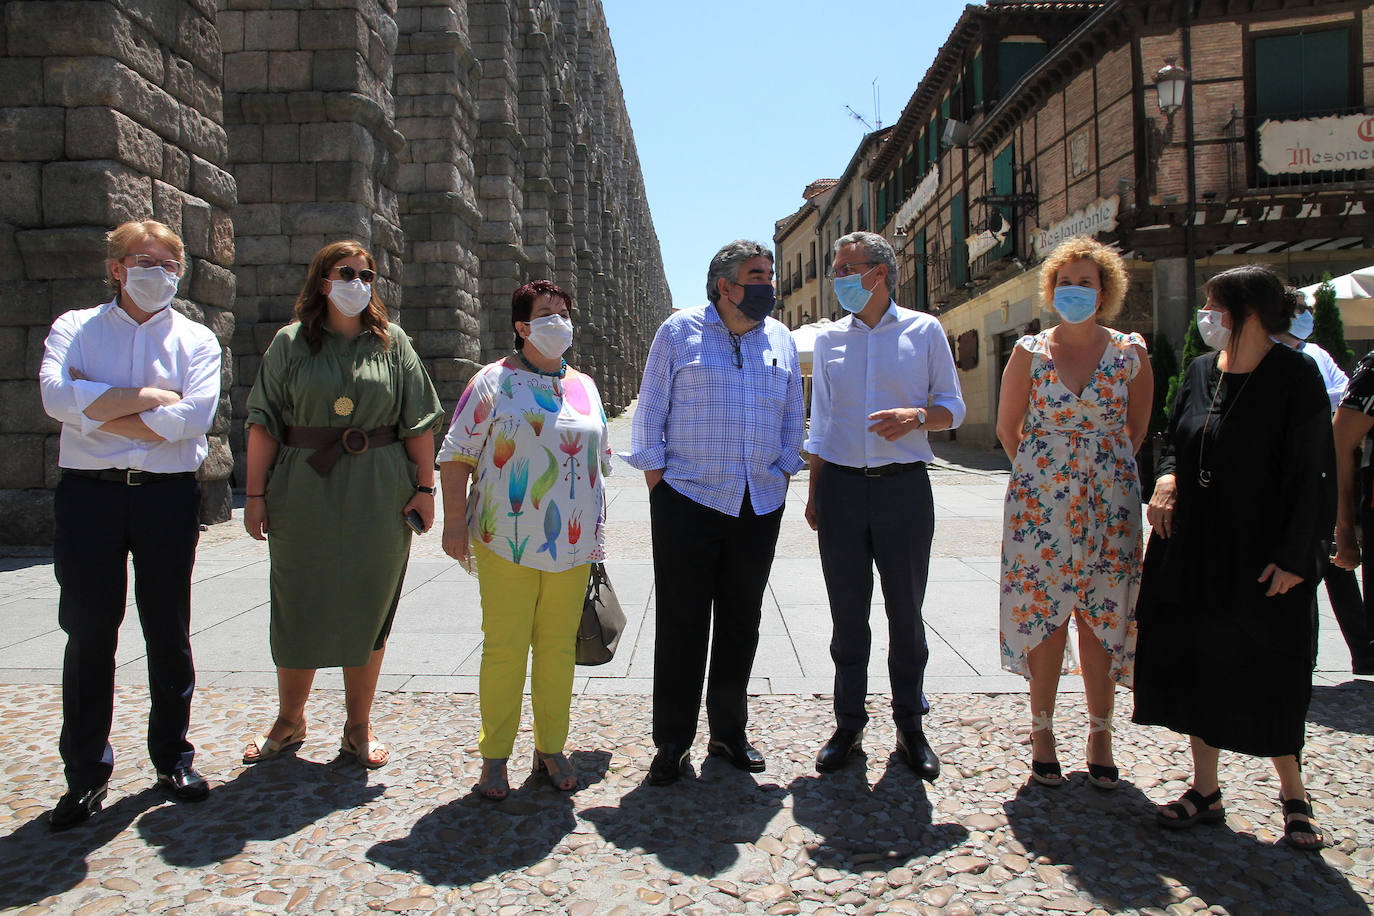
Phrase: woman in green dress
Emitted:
{"points": [[340, 449]]}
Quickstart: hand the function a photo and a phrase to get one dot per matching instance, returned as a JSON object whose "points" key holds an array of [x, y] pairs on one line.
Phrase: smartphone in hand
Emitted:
{"points": [[416, 523]]}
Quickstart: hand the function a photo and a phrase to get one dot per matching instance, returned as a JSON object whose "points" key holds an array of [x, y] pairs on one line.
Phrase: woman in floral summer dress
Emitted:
{"points": [[1074, 407], [522, 470]]}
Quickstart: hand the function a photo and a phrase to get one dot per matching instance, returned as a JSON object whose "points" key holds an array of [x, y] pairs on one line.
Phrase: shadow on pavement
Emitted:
{"points": [[271, 800], [1348, 708], [694, 825], [471, 839], [857, 825], [36, 863], [1123, 860]]}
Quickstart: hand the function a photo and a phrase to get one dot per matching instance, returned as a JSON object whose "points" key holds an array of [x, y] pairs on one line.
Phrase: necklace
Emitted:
{"points": [[1204, 476], [561, 371]]}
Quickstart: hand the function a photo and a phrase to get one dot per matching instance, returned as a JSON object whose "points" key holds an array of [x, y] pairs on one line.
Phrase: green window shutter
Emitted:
{"points": [[958, 249], [1278, 76], [1004, 182], [1014, 60], [978, 97], [1326, 71], [1302, 75]]}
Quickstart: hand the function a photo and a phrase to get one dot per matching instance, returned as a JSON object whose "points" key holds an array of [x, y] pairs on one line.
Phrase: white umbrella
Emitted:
{"points": [[805, 338], [1355, 298]]}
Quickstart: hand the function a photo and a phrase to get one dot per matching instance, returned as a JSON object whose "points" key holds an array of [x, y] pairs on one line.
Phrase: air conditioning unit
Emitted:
{"points": [[955, 133]]}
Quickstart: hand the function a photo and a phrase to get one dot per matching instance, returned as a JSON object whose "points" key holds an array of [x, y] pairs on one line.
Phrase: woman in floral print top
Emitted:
{"points": [[1075, 403], [522, 471]]}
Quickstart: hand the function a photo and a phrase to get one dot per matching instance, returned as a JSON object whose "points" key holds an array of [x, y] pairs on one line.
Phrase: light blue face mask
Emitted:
{"points": [[850, 291], [1301, 325], [1075, 304]]}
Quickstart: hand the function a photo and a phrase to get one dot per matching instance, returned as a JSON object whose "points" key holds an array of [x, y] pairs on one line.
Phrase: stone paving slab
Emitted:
{"points": [[315, 833]]}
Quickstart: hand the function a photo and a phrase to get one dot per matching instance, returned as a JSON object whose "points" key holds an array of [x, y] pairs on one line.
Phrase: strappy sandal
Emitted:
{"points": [[1101, 775], [1293, 828], [366, 749], [1047, 774], [265, 748], [493, 785], [557, 769], [1203, 812]]}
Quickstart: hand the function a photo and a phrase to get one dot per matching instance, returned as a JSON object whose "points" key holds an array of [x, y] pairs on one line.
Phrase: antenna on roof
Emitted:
{"points": [[877, 110], [858, 117]]}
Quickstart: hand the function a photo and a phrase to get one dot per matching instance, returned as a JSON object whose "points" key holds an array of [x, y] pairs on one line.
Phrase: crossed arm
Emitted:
{"points": [[118, 409]]}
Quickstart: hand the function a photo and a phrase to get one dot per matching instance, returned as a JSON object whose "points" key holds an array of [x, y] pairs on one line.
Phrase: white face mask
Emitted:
{"points": [[151, 288], [1214, 333], [351, 298], [551, 335]]}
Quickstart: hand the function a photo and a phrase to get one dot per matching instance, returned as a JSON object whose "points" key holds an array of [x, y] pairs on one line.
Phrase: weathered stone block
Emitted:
{"points": [[21, 409], [306, 106], [28, 517], [50, 30], [28, 134], [281, 143], [212, 184], [323, 30], [81, 293], [195, 88], [20, 194], [202, 136], [24, 303], [245, 71], [195, 225], [289, 71], [304, 247], [94, 192], [257, 219], [212, 285], [348, 220], [13, 350], [265, 249], [157, 16], [221, 238], [254, 183], [230, 26], [279, 279], [337, 141], [176, 166], [271, 30], [221, 320], [264, 108], [339, 71], [102, 133], [198, 39], [245, 142], [167, 206], [74, 82], [343, 180], [23, 79], [219, 462], [293, 183], [23, 464]]}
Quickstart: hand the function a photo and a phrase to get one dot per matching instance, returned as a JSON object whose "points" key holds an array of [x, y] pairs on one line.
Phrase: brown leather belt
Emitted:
{"points": [[330, 441]]}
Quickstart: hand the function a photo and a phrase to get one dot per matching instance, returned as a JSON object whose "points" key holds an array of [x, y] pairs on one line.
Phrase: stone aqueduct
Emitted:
{"points": [[471, 144]]}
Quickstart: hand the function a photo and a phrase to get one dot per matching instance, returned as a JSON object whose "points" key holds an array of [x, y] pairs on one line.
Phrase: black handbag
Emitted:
{"points": [[602, 620]]}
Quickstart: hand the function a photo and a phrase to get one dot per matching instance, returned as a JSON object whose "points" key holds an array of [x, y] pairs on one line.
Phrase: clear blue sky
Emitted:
{"points": [[738, 106]]}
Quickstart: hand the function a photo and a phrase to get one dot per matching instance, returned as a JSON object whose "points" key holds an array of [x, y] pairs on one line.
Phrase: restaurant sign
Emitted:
{"points": [[1098, 216], [1329, 144]]}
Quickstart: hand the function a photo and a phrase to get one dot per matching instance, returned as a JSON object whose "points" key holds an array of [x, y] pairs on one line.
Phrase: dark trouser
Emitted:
{"points": [[887, 521], [710, 572], [99, 524], [1350, 609]]}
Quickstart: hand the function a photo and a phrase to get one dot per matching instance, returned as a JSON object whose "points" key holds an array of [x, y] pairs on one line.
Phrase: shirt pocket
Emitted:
{"points": [[772, 386]]}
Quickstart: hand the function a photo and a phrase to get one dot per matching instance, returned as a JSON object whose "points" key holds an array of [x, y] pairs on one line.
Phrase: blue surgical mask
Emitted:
{"points": [[850, 291], [1301, 325], [758, 300], [1075, 304]]}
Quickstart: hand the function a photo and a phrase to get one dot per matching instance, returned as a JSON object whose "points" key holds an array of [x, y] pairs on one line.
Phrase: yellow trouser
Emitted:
{"points": [[525, 609]]}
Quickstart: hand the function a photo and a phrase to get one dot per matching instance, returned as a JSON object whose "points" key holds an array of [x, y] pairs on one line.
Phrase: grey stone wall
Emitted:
{"points": [[472, 145], [112, 111]]}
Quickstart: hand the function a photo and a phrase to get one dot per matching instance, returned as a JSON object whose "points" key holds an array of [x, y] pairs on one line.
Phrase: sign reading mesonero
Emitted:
{"points": [[1329, 144], [1098, 216]]}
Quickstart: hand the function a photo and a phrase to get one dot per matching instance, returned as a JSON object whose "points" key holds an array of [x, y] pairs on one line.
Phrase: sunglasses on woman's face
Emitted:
{"points": [[347, 273]]}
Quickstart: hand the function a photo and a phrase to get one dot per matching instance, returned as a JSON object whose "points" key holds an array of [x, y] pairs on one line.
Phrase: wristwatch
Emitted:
{"points": [[420, 489], [920, 418]]}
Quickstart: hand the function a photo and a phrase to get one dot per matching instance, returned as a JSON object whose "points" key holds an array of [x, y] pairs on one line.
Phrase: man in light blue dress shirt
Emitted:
{"points": [[882, 378], [717, 433]]}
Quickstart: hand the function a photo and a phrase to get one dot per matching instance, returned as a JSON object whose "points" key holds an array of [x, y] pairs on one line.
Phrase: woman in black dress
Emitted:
{"points": [[1242, 514]]}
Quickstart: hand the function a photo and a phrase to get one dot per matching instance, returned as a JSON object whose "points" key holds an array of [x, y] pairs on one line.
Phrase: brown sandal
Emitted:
{"points": [[265, 748], [366, 749]]}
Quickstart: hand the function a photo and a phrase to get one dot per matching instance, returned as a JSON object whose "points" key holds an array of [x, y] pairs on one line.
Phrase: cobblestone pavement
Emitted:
{"points": [[317, 834]]}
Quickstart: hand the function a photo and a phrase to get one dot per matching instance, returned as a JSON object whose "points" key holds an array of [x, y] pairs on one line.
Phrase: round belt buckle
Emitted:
{"points": [[353, 431]]}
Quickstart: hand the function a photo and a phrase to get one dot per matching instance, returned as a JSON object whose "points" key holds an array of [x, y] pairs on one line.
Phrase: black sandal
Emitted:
{"points": [[1045, 772], [1295, 828], [1203, 812]]}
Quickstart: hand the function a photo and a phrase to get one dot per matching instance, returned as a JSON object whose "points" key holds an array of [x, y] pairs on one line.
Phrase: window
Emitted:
{"points": [[1302, 75], [976, 80], [1015, 58], [1004, 182]]}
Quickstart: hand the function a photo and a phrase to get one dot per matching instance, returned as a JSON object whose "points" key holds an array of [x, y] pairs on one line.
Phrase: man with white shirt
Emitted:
{"points": [[135, 385], [883, 378]]}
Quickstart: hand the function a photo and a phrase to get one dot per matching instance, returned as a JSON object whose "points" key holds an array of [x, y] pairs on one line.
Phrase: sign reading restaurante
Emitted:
{"points": [[1098, 216], [1317, 144]]}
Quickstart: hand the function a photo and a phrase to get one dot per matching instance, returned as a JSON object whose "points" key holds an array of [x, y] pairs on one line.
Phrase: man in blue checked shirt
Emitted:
{"points": [[883, 378], [718, 434]]}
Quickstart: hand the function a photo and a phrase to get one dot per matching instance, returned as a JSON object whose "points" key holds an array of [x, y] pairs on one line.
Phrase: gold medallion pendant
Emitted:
{"points": [[343, 405]]}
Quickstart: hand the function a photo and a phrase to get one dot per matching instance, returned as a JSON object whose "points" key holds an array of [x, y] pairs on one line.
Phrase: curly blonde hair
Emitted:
{"points": [[1111, 273]]}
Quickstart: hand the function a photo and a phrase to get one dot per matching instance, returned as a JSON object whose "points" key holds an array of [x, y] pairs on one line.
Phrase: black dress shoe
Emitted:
{"points": [[913, 747], [844, 742], [739, 752], [75, 807], [667, 765], [185, 784]]}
